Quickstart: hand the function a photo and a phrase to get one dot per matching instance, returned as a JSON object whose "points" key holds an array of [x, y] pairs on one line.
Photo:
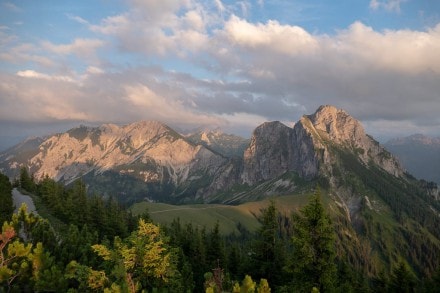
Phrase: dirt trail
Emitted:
{"points": [[20, 198]]}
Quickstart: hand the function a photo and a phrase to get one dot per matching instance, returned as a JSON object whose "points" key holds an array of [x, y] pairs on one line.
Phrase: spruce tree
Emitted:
{"points": [[403, 279], [268, 259], [6, 202], [313, 259]]}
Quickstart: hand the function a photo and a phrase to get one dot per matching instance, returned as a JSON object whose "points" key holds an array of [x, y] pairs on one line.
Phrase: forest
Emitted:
{"points": [[82, 243]]}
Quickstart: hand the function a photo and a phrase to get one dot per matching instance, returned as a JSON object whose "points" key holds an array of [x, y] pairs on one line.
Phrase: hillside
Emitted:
{"points": [[229, 217]]}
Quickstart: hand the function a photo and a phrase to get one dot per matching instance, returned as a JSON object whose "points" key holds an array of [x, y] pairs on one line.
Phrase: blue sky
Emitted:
{"points": [[227, 64]]}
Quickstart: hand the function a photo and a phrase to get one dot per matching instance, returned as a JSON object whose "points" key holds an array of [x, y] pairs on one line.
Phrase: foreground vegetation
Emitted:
{"points": [[98, 246]]}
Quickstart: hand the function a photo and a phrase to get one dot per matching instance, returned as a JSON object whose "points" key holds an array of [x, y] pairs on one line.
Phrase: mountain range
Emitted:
{"points": [[148, 160], [380, 211], [420, 154]]}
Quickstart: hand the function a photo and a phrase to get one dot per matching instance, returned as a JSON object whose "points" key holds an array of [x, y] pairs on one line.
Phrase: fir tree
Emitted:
{"points": [[313, 260]]}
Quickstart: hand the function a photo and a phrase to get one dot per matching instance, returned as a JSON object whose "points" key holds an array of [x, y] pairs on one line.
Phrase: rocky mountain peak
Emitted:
{"points": [[338, 125], [262, 160]]}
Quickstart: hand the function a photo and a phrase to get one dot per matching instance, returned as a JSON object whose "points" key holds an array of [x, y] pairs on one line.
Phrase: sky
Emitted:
{"points": [[218, 63]]}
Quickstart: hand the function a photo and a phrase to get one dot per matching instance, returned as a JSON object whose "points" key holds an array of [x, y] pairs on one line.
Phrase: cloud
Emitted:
{"points": [[34, 97], [273, 36], [147, 103], [12, 51], [11, 6], [154, 29], [221, 8], [76, 18], [81, 47], [188, 62], [38, 75], [389, 5]]}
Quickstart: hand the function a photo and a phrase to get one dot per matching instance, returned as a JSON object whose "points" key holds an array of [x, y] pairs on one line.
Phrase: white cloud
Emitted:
{"points": [[35, 74], [94, 70], [81, 47], [389, 5], [36, 98], [112, 25], [157, 28], [274, 36], [148, 103], [221, 8], [400, 50], [77, 19], [16, 53]]}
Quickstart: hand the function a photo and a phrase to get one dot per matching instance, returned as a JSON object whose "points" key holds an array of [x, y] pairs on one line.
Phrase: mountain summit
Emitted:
{"points": [[309, 148]]}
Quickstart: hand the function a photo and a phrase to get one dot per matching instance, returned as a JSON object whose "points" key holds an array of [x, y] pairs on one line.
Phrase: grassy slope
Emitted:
{"points": [[207, 215]]}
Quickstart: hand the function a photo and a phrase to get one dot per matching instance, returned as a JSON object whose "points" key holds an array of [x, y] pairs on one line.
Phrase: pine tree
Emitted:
{"points": [[143, 260], [402, 279], [268, 260], [6, 202], [313, 260], [26, 181]]}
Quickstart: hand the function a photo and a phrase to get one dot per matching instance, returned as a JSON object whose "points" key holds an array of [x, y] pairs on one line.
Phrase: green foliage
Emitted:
{"points": [[26, 181], [313, 259], [24, 266], [263, 287], [268, 258], [250, 286], [74, 206], [143, 260], [6, 203], [402, 279], [408, 224]]}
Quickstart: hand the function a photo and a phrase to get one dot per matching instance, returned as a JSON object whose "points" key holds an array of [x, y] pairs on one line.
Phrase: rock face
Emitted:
{"points": [[270, 153], [82, 150], [147, 152], [228, 145], [335, 125], [305, 149]]}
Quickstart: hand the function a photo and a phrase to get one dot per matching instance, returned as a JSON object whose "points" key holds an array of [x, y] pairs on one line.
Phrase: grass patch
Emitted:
{"points": [[228, 216]]}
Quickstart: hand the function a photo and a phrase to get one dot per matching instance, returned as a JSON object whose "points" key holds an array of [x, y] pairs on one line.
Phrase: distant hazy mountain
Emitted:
{"points": [[228, 145], [419, 154]]}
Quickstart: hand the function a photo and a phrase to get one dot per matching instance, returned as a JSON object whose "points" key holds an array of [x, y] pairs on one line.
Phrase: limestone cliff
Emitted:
{"points": [[308, 148], [339, 128], [269, 154]]}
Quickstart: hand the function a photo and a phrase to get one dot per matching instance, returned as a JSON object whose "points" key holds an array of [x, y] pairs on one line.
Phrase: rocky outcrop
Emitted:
{"points": [[228, 145], [338, 127], [147, 150], [276, 148], [270, 153]]}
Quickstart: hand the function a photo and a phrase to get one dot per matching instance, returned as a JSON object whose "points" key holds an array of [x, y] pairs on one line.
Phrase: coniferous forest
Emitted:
{"points": [[92, 244]]}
